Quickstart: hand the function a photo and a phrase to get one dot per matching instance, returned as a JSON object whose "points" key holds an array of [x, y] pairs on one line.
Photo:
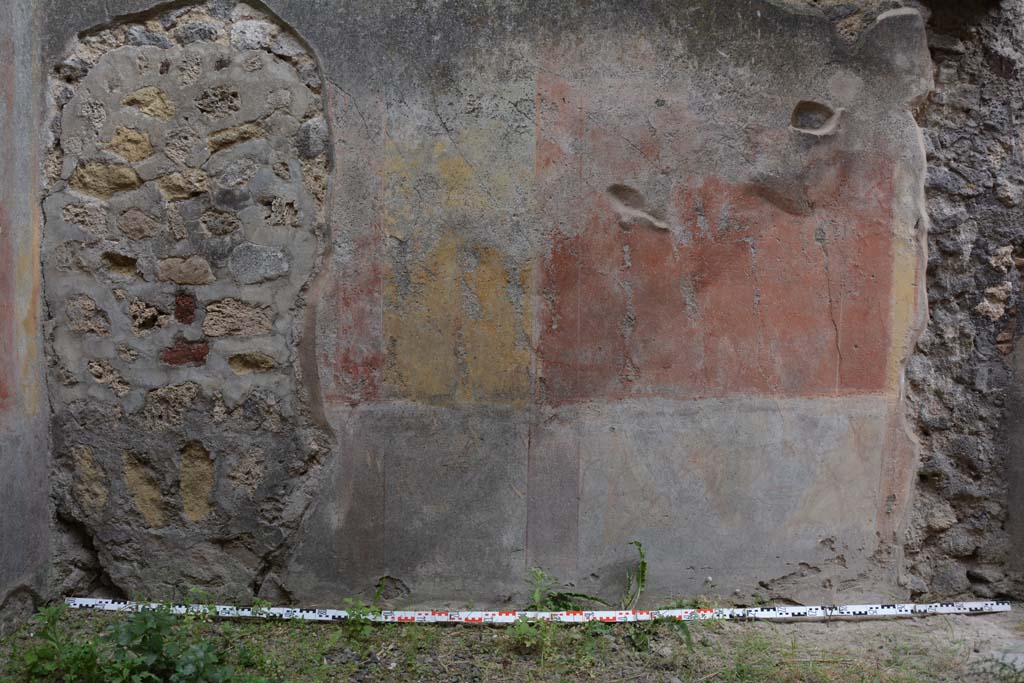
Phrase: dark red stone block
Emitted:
{"points": [[185, 308], [185, 352]]}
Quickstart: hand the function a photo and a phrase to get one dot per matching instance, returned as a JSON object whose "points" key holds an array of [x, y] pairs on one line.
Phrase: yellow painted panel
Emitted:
{"points": [[497, 358], [421, 328]]}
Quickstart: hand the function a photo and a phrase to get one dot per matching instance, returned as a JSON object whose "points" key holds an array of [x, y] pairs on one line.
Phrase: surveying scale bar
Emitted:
{"points": [[781, 612]]}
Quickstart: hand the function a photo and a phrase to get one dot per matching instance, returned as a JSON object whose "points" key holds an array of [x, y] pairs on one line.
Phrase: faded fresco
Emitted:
{"points": [[338, 296], [598, 289]]}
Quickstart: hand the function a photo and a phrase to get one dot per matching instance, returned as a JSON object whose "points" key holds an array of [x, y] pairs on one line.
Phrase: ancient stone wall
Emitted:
{"points": [[443, 291], [184, 208], [965, 376]]}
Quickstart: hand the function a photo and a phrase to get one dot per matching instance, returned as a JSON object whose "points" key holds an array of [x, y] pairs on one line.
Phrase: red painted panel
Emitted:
{"points": [[354, 305], [742, 297], [748, 293]]}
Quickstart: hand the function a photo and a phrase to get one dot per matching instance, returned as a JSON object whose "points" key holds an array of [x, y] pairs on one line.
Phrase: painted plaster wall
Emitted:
{"points": [[591, 276], [24, 434], [611, 293]]}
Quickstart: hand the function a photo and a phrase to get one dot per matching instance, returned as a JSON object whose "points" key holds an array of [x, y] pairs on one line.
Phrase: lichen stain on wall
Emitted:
{"points": [[144, 489], [197, 480], [90, 487]]}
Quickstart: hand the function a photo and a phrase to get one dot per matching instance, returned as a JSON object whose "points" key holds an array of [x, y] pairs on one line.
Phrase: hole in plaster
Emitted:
{"points": [[631, 206], [219, 222], [219, 101], [628, 196], [145, 316], [390, 588], [814, 118]]}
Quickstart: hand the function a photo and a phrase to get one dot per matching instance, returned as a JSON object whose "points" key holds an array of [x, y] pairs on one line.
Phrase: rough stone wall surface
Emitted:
{"points": [[24, 449], [965, 376], [580, 289], [184, 213]]}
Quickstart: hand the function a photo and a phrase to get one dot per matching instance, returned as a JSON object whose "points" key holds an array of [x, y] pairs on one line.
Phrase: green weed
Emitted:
{"points": [[531, 637], [636, 579], [547, 594], [57, 656], [150, 646]]}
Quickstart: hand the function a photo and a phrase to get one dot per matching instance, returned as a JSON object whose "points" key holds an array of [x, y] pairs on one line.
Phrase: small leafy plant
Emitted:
{"points": [[546, 594], [639, 635], [358, 629], [636, 579], [150, 646], [533, 637], [260, 608], [57, 656]]}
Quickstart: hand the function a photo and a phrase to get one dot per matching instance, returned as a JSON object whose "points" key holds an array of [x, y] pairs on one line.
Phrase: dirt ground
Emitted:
{"points": [[936, 648]]}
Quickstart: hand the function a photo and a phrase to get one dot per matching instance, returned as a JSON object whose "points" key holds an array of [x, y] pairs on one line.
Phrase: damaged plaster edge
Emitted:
{"points": [[899, 12], [313, 289], [819, 11], [916, 248], [909, 266], [909, 313]]}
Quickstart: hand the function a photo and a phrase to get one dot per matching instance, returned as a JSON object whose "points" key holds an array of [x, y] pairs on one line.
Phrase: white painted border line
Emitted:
{"points": [[787, 612]]}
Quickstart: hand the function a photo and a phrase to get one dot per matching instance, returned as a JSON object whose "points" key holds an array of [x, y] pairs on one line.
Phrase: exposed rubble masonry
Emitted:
{"points": [[176, 296]]}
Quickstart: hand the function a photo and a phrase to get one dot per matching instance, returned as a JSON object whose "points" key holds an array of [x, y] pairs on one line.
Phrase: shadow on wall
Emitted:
{"points": [[184, 218]]}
